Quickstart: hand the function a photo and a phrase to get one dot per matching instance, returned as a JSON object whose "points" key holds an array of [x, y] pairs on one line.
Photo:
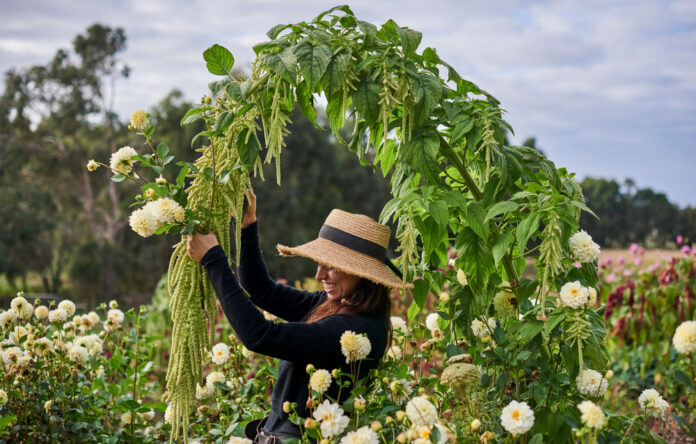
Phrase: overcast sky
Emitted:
{"points": [[607, 87]]}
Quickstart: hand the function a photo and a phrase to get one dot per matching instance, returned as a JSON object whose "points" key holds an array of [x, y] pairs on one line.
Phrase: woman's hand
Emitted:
{"points": [[197, 245], [250, 213]]}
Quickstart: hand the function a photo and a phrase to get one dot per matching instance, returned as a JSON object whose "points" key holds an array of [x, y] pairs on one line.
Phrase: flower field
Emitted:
{"points": [[99, 376]]}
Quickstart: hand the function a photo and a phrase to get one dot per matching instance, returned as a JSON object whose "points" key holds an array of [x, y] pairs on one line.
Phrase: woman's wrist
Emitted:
{"points": [[247, 224]]}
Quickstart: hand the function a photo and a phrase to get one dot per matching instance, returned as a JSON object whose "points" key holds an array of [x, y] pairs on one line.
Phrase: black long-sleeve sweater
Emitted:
{"points": [[295, 343]]}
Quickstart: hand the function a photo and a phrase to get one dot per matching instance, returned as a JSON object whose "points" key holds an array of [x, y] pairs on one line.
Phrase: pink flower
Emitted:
{"points": [[641, 250], [680, 239], [637, 261], [621, 260], [686, 250], [634, 248], [577, 264], [611, 277]]}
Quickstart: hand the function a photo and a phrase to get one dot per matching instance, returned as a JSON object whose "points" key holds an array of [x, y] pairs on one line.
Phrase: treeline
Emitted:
{"points": [[65, 230], [628, 214]]}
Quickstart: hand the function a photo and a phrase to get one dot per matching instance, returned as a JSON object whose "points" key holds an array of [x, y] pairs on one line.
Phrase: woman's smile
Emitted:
{"points": [[337, 284]]}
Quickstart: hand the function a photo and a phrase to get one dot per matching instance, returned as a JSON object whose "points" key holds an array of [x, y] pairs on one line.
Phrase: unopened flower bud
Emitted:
{"points": [[310, 369], [160, 180], [421, 390], [47, 405], [113, 304], [388, 420], [444, 297], [325, 441], [92, 165], [402, 438], [400, 415], [412, 435], [359, 404], [475, 425], [311, 423], [609, 374], [376, 426], [385, 380], [286, 406], [335, 373], [150, 193], [310, 403], [207, 100], [487, 436], [486, 339]]}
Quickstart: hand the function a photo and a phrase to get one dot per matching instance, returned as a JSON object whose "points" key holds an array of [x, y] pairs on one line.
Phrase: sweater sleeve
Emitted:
{"points": [[284, 301], [317, 342]]}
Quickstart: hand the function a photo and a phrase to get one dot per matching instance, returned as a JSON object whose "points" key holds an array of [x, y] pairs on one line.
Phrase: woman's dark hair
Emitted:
{"points": [[369, 297]]}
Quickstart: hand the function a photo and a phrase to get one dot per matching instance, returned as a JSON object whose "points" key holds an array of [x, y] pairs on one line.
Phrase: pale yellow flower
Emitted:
{"points": [[138, 120], [92, 165]]}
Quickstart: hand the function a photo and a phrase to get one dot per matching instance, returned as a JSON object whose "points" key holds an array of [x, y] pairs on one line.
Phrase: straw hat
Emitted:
{"points": [[354, 244]]}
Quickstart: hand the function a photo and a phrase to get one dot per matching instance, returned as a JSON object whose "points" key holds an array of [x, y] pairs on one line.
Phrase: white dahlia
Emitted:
{"points": [[582, 247], [398, 324], [165, 210], [421, 412], [41, 312], [574, 295], [121, 160], [57, 315], [653, 404], [320, 381], [364, 435], [78, 354], [21, 307], [7, 316], [333, 421], [220, 353], [517, 418], [355, 347], [115, 315], [684, 338], [138, 120], [591, 414], [591, 383], [143, 222], [214, 377], [68, 306]]}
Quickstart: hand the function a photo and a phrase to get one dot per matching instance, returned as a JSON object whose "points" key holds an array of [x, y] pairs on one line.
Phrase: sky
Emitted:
{"points": [[607, 87]]}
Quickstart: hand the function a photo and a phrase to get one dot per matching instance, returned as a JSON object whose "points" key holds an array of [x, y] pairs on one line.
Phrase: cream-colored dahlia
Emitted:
{"points": [[320, 381], [684, 338], [517, 418], [93, 317], [400, 389], [68, 306], [364, 435], [421, 411], [214, 377], [395, 352], [398, 324], [78, 354], [574, 295], [11, 355], [238, 440], [121, 160], [44, 346], [333, 421], [165, 210], [355, 347], [592, 300], [582, 247], [168, 414], [591, 414], [7, 316], [92, 165], [220, 353], [653, 404], [143, 222], [505, 303], [57, 315], [3, 397], [115, 315], [204, 392], [138, 120], [591, 383], [482, 328], [23, 309]]}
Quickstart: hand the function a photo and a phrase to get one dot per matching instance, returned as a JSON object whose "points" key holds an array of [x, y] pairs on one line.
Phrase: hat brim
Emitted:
{"points": [[346, 260]]}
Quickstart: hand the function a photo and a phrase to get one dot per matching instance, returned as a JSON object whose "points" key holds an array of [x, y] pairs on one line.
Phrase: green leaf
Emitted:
{"points": [[439, 211], [530, 329], [420, 292], [525, 229], [306, 103], [477, 260], [283, 63], [501, 207], [118, 177], [538, 438], [455, 199], [181, 177], [162, 150], [474, 217], [556, 317], [219, 60], [248, 146], [461, 128], [274, 31], [336, 111], [427, 91], [420, 153], [313, 62], [410, 40], [501, 246], [365, 100], [683, 379], [413, 311], [223, 121], [336, 71], [191, 116], [370, 33]]}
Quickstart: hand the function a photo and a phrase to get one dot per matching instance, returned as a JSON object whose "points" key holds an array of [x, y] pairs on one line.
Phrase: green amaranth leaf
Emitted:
{"points": [[313, 62], [219, 60]]}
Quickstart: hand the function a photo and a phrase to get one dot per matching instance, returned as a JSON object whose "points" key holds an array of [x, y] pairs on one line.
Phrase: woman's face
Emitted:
{"points": [[338, 285]]}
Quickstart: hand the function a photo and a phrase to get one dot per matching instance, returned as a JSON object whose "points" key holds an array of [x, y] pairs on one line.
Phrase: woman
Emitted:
{"points": [[351, 256]]}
